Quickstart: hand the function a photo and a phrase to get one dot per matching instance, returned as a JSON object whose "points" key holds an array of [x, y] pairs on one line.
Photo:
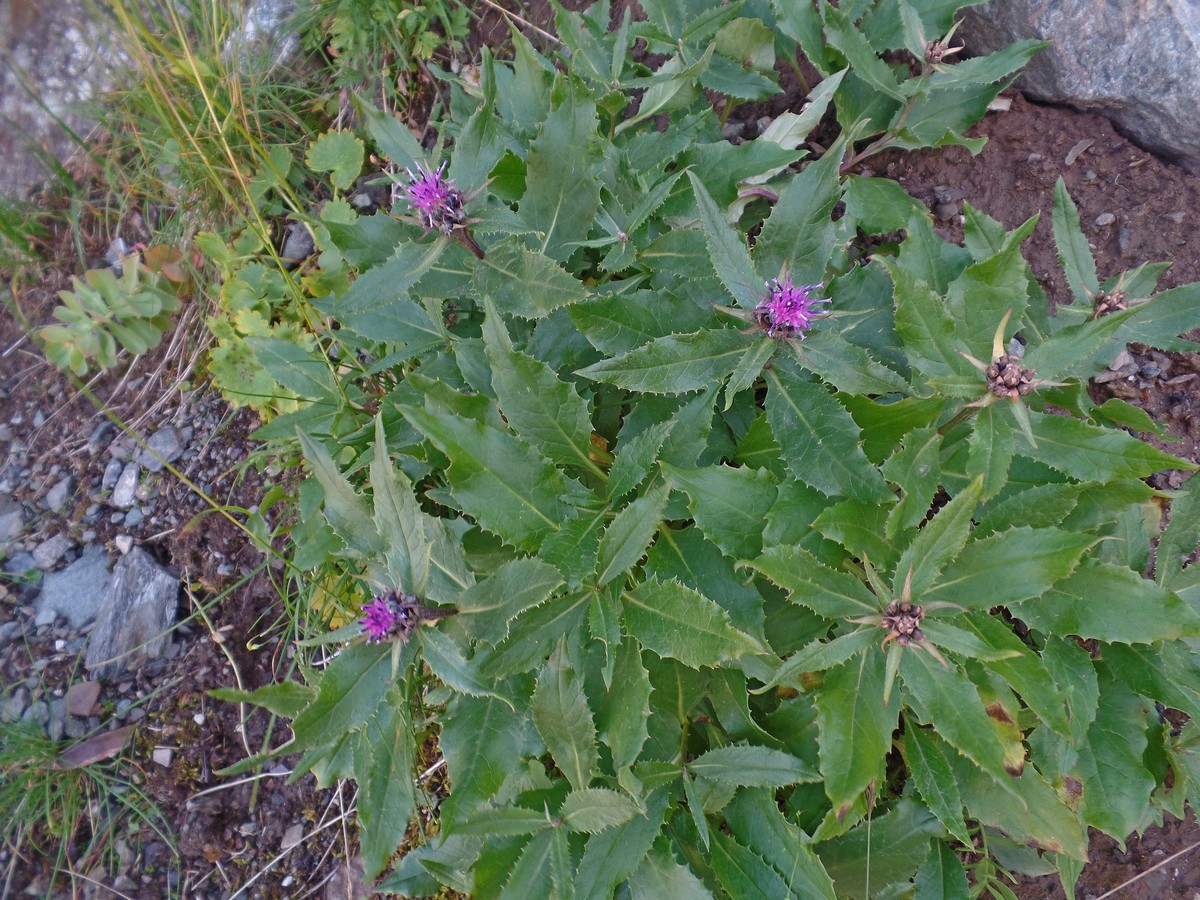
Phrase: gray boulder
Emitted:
{"points": [[139, 611], [1136, 62], [76, 592]]}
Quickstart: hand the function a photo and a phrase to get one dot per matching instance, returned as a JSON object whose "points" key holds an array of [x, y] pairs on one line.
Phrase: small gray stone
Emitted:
{"points": [[75, 592], [124, 495], [56, 725], [1105, 219], [134, 518], [56, 497], [39, 419], [123, 542], [99, 434], [163, 447], [76, 728], [12, 520], [38, 713], [20, 563], [163, 756], [13, 707], [9, 631], [51, 550], [111, 473], [139, 610], [293, 836], [298, 244], [6, 433]]}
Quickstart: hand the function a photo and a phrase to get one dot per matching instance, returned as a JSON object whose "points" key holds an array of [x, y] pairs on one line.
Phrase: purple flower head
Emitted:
{"points": [[788, 310], [436, 199], [380, 620]]}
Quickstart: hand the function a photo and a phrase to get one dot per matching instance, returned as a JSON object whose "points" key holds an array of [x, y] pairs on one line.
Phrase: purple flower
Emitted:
{"points": [[788, 310], [436, 199], [380, 620]]}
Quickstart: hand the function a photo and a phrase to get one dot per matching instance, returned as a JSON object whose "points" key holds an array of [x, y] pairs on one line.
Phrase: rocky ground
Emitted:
{"points": [[85, 507]]}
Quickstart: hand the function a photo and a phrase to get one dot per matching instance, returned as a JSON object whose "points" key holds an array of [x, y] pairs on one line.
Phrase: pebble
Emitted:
{"points": [[81, 698], [111, 473], [124, 543], [134, 518], [163, 447], [10, 631], [293, 836], [39, 419], [99, 433], [1105, 219], [51, 550], [13, 706], [56, 497], [56, 725], [124, 495], [163, 756]]}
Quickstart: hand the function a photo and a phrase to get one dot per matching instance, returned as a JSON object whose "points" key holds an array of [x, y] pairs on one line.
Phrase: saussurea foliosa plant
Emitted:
{"points": [[712, 551]]}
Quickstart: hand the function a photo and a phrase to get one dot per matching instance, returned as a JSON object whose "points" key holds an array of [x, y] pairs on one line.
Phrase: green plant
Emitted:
{"points": [[704, 583], [66, 803], [104, 310], [385, 40]]}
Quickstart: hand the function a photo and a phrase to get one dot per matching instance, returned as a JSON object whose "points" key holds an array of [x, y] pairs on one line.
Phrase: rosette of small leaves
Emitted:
{"points": [[104, 313], [708, 580]]}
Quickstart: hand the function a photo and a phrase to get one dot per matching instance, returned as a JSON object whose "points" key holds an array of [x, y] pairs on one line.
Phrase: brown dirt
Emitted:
{"points": [[223, 840]]}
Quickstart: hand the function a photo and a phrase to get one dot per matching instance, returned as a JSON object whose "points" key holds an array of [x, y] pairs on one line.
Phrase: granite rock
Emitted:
{"points": [[76, 592], [139, 610]]}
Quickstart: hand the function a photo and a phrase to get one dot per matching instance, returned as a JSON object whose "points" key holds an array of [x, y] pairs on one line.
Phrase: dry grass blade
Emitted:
{"points": [[1141, 875]]}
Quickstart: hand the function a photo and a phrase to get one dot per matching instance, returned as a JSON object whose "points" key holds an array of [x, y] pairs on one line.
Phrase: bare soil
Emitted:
{"points": [[226, 837]]}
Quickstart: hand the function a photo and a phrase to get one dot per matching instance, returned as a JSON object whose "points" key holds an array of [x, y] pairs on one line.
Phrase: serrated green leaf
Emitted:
{"points": [[522, 282], [486, 608], [862, 57], [659, 877], [799, 233], [506, 821], [819, 440], [677, 622], [1088, 453], [1010, 567], [751, 766], [819, 656], [942, 877], [619, 323], [634, 457], [498, 479], [755, 818], [859, 527], [453, 669], [351, 689], [726, 249], [854, 728], [399, 520], [826, 591], [531, 634], [613, 854], [287, 698], [1134, 610], [743, 873], [934, 779], [530, 876], [573, 548], [377, 306], [1180, 537], [1073, 250], [592, 810], [1116, 785], [675, 364], [1159, 322], [953, 705], [916, 469], [896, 843], [1073, 350], [626, 707], [340, 154], [480, 739], [545, 411], [562, 192], [625, 539], [1025, 807], [728, 504], [938, 542], [990, 450], [564, 720], [345, 510], [386, 787], [846, 366], [925, 327]]}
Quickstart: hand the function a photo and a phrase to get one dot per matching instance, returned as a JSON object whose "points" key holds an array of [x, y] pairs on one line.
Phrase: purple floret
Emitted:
{"points": [[788, 310], [380, 621], [436, 199]]}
